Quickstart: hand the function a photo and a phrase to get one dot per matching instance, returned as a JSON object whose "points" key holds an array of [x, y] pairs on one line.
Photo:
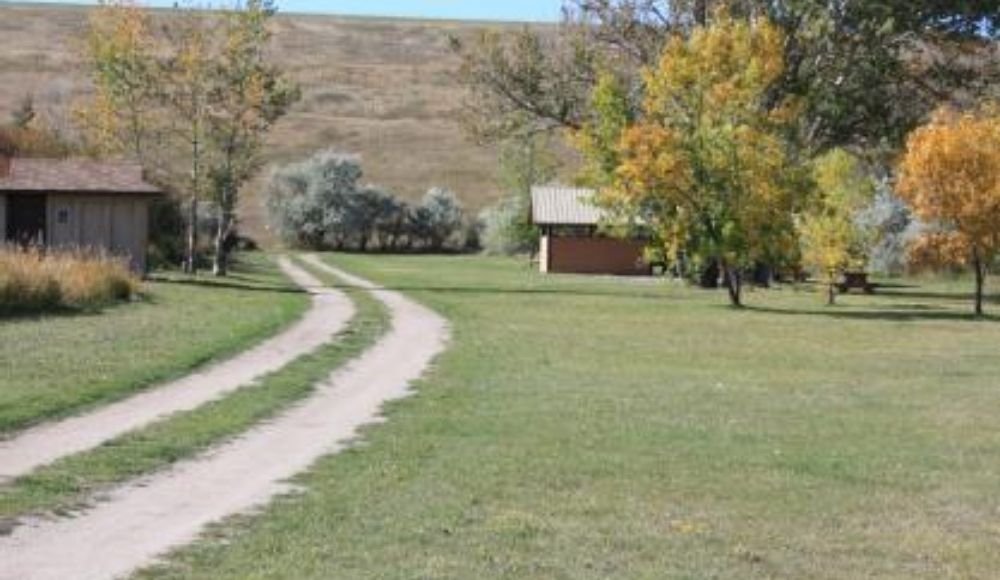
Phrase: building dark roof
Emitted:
{"points": [[556, 205], [74, 176]]}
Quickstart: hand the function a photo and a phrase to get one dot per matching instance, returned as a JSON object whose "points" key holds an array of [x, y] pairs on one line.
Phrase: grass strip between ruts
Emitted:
{"points": [[71, 482]]}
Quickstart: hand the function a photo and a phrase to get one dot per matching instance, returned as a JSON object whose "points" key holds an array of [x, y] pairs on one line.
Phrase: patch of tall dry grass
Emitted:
{"points": [[32, 280]]}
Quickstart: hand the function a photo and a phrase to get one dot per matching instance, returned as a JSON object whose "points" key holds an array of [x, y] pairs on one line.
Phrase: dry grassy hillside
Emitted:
{"points": [[381, 88]]}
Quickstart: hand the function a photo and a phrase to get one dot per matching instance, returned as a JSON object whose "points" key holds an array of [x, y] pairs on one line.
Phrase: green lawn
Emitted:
{"points": [[54, 365], [595, 428], [66, 484]]}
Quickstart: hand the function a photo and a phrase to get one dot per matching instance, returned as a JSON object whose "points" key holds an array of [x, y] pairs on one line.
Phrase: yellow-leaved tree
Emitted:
{"points": [[832, 241], [708, 166], [123, 114], [950, 175], [598, 138]]}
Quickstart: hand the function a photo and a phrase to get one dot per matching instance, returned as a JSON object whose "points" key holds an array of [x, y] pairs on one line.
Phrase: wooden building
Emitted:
{"points": [[77, 204], [570, 238]]}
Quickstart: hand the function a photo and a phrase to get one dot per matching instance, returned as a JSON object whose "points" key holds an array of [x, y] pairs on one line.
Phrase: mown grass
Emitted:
{"points": [[74, 481], [53, 365], [594, 428]]}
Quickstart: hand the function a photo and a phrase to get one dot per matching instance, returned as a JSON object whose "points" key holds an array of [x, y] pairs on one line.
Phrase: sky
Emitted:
{"points": [[517, 10]]}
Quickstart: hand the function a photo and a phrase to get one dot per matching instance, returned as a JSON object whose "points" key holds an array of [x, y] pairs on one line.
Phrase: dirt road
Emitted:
{"points": [[328, 315], [148, 518]]}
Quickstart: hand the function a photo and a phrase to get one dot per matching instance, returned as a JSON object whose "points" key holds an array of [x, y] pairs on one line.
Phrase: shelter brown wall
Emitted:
{"points": [[596, 256]]}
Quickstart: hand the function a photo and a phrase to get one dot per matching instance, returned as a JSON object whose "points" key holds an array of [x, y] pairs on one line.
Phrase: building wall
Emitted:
{"points": [[118, 224], [596, 256]]}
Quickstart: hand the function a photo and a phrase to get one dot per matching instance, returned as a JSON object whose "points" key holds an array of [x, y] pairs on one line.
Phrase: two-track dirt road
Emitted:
{"points": [[145, 519], [328, 315]]}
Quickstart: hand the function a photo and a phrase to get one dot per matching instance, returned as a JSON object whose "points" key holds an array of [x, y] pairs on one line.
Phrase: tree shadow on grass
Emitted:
{"points": [[910, 313], [892, 291], [696, 293], [491, 290], [928, 295], [924, 305], [36, 314], [226, 285]]}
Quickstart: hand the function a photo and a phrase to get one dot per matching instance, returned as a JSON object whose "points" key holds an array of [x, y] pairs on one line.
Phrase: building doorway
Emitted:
{"points": [[26, 219]]}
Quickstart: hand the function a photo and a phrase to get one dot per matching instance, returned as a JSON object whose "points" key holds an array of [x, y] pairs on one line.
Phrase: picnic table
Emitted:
{"points": [[856, 281]]}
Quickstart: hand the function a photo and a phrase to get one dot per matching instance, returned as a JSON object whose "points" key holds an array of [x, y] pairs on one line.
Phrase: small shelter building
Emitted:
{"points": [[77, 204], [571, 241]]}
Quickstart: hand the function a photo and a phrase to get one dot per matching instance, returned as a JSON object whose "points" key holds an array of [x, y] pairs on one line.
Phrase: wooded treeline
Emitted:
{"points": [[733, 130]]}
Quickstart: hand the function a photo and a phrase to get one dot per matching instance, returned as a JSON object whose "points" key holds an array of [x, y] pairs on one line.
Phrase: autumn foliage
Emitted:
{"points": [[190, 97], [937, 252], [119, 116], [950, 176], [708, 165], [832, 241]]}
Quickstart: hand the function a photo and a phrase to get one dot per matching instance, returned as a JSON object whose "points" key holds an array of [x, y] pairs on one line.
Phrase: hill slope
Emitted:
{"points": [[382, 88]]}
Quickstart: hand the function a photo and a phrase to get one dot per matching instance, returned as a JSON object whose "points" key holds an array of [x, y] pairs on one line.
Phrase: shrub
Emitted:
{"points": [[320, 203], [506, 229], [33, 281], [892, 228], [394, 224], [363, 212], [438, 219]]}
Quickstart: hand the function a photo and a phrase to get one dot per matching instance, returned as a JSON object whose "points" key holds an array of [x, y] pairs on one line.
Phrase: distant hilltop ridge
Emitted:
{"points": [[383, 88], [296, 11]]}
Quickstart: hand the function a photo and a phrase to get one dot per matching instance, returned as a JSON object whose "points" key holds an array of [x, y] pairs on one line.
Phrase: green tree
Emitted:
{"points": [[523, 82], [708, 166], [598, 138], [832, 239], [867, 71], [525, 161]]}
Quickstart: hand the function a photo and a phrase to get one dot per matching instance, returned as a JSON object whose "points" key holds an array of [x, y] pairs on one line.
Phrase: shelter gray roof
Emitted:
{"points": [[74, 176], [555, 205]]}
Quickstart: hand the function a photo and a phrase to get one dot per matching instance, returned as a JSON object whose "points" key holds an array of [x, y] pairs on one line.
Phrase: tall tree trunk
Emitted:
{"points": [[831, 289], [191, 252], [977, 263], [191, 256], [220, 263], [220, 266], [734, 284]]}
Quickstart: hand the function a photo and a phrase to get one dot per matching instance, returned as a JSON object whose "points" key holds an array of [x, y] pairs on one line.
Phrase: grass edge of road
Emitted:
{"points": [[583, 427], [215, 308], [72, 483]]}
